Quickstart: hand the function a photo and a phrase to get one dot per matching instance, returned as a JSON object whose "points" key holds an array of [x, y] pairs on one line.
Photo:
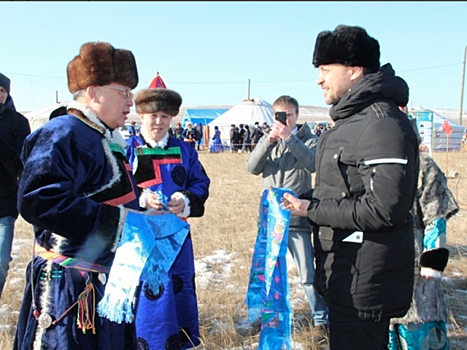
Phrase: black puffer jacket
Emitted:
{"points": [[367, 168], [11, 143]]}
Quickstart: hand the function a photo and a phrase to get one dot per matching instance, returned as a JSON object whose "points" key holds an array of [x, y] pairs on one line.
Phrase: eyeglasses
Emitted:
{"points": [[125, 92]]}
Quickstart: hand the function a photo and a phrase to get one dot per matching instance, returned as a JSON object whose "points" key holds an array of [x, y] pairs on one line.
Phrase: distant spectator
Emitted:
{"points": [[266, 128], [256, 135], [241, 135], [199, 136], [216, 144], [234, 138], [189, 135], [178, 132], [132, 128], [58, 112], [246, 140], [319, 130]]}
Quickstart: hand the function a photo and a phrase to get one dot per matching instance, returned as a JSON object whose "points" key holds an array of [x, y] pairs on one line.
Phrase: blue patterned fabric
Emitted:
{"points": [[268, 289], [148, 247]]}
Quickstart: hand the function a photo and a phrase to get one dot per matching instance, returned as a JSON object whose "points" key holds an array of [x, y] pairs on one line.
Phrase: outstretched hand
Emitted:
{"points": [[298, 207]]}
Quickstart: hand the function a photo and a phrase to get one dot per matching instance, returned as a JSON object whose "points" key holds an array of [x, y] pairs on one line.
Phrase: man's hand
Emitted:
{"points": [[176, 205], [153, 202], [279, 131], [298, 207]]}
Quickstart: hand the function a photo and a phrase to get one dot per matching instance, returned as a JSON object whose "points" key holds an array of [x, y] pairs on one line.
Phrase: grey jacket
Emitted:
{"points": [[289, 166]]}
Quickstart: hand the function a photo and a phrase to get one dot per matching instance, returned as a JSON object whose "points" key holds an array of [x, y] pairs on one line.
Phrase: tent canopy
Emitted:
{"points": [[200, 115], [157, 82], [246, 112], [430, 128], [41, 116]]}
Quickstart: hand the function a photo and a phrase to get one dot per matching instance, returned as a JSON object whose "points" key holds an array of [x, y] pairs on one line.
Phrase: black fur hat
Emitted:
{"points": [[347, 45], [156, 100], [99, 64]]}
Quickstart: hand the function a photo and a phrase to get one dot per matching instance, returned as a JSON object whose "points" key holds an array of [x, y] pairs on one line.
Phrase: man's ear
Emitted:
{"points": [[355, 73], [92, 93]]}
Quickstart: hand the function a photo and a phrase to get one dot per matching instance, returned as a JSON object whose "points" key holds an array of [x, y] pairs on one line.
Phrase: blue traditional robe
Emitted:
{"points": [[167, 318], [75, 183]]}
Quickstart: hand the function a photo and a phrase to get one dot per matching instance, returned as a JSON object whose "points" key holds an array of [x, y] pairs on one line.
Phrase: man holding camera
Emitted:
{"points": [[286, 159]]}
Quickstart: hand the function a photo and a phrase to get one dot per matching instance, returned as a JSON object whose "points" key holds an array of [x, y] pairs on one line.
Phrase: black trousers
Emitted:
{"points": [[347, 332]]}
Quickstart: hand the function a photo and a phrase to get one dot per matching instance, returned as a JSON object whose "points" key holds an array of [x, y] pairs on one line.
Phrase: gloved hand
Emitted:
{"points": [[7, 152], [433, 262]]}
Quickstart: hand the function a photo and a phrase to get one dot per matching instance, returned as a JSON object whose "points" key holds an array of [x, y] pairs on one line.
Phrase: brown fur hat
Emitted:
{"points": [[347, 45], [99, 64], [158, 100]]}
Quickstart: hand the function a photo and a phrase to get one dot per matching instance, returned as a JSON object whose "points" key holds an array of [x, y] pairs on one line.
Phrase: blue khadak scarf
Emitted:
{"points": [[147, 250], [268, 290]]}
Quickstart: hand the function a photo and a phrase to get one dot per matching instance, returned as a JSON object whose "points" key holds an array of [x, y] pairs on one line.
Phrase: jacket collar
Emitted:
{"points": [[87, 116], [154, 144]]}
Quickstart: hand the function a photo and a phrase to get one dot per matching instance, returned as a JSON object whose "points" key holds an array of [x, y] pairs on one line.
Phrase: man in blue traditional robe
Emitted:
{"points": [[76, 189]]}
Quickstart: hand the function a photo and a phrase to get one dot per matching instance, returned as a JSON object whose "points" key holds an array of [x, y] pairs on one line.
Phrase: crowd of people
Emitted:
{"points": [[244, 138], [192, 133], [110, 215]]}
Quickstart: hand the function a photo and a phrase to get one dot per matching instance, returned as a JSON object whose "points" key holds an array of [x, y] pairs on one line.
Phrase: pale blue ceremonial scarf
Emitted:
{"points": [[268, 290], [148, 247]]}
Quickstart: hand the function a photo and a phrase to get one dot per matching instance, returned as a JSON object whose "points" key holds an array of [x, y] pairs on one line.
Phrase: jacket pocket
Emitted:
{"points": [[340, 260]]}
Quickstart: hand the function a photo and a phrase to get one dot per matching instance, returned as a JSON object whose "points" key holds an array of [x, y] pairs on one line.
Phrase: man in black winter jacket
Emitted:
{"points": [[366, 177], [14, 127]]}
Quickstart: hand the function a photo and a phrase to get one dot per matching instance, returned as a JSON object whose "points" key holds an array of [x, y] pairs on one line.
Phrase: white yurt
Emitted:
{"points": [[246, 112]]}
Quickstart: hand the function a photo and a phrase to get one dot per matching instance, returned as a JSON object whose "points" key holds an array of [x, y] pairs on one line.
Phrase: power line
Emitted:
{"points": [[240, 82], [444, 65]]}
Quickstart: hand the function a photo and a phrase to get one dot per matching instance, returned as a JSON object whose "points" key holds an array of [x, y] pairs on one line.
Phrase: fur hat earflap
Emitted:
{"points": [[347, 45], [99, 64], [5, 82], [158, 100]]}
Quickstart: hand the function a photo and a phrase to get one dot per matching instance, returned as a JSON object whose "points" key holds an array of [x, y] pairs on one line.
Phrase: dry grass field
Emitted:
{"points": [[229, 224]]}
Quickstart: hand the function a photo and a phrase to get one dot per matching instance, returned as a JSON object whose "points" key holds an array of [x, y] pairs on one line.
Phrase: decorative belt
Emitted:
{"points": [[68, 262], [86, 300]]}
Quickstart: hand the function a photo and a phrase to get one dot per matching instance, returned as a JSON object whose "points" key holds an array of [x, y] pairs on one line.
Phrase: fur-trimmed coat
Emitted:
{"points": [[73, 189], [434, 204]]}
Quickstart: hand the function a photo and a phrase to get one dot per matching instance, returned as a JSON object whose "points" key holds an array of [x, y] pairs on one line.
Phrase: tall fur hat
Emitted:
{"points": [[158, 100], [5, 82], [99, 64], [347, 45]]}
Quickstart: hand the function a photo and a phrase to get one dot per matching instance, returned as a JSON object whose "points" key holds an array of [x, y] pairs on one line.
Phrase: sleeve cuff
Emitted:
{"points": [[187, 210]]}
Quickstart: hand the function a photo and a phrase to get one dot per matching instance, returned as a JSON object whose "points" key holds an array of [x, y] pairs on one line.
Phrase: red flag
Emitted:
{"points": [[446, 127], [157, 82]]}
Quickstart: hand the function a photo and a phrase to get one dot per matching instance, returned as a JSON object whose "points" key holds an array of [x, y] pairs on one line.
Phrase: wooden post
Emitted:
{"points": [[447, 153], [462, 87]]}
